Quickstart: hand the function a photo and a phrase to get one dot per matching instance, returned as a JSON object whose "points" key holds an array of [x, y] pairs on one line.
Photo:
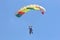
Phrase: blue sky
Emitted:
{"points": [[45, 27]]}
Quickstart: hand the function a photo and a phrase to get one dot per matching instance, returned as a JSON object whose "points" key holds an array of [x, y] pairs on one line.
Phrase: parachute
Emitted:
{"points": [[28, 8]]}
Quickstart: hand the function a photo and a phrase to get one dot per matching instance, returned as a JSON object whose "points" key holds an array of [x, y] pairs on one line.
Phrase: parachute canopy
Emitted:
{"points": [[28, 8]]}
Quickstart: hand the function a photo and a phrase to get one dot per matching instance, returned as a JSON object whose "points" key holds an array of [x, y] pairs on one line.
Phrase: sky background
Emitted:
{"points": [[45, 27]]}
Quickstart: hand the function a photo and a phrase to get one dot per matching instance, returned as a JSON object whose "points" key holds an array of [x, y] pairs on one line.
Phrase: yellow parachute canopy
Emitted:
{"points": [[28, 8]]}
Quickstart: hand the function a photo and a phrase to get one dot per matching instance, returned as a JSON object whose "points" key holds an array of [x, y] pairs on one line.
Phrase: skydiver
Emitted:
{"points": [[30, 30]]}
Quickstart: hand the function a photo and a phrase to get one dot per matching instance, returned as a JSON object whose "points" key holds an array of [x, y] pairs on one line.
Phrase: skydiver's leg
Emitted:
{"points": [[32, 32]]}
